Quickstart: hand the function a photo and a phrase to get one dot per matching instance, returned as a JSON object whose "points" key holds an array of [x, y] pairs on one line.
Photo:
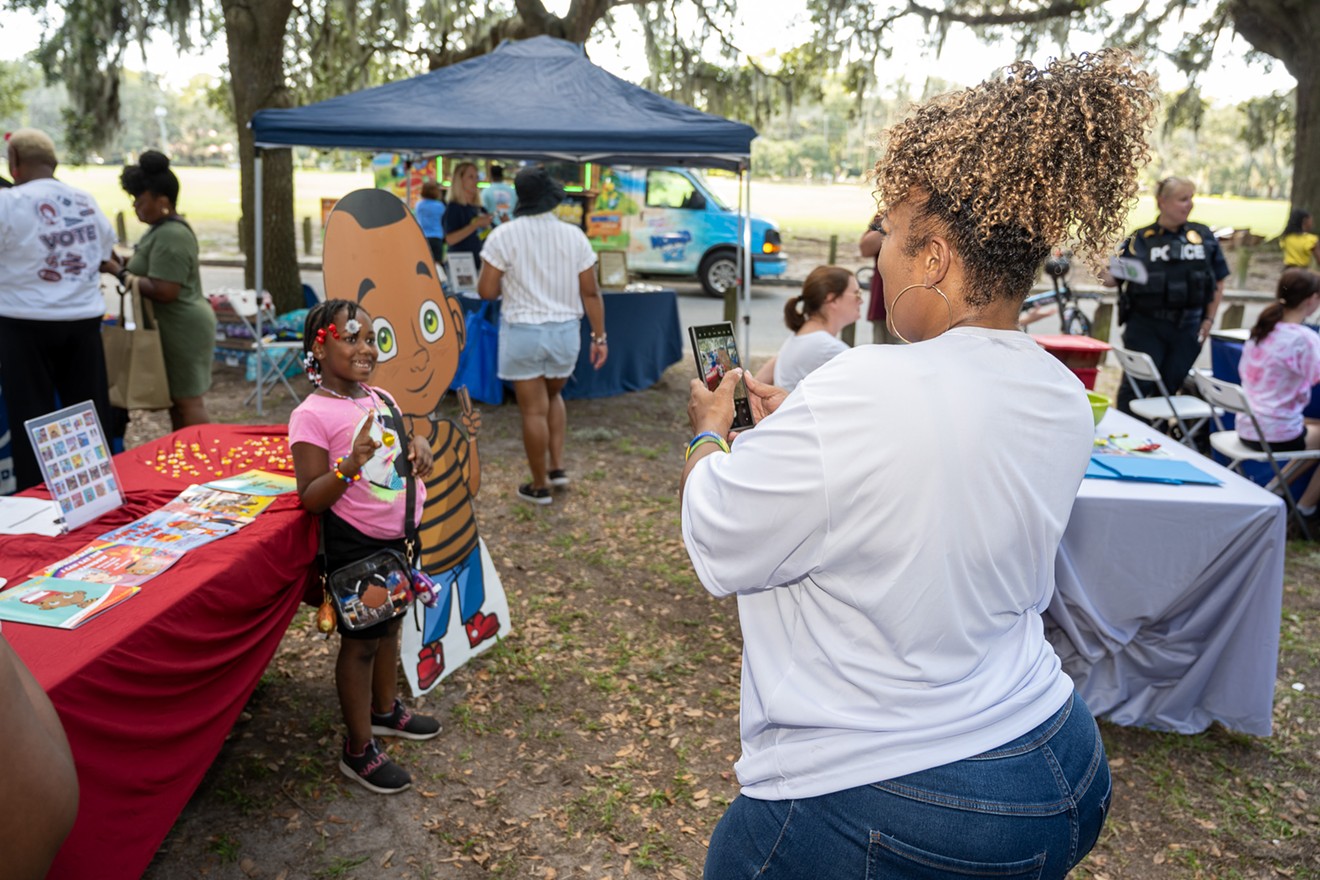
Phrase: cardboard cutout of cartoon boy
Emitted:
{"points": [[376, 255]]}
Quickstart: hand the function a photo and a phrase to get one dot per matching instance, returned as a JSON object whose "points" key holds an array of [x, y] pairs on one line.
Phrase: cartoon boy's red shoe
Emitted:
{"points": [[430, 664], [481, 627]]}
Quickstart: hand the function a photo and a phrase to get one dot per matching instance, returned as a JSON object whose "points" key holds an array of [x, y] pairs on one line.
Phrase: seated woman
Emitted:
{"points": [[167, 265], [1280, 364], [890, 528], [1299, 243], [830, 300]]}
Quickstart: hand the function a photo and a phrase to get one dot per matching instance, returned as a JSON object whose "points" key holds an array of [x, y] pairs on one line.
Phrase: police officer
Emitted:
{"points": [[1169, 316]]}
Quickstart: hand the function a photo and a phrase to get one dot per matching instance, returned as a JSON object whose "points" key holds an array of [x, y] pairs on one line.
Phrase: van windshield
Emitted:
{"points": [[714, 196], [666, 188]]}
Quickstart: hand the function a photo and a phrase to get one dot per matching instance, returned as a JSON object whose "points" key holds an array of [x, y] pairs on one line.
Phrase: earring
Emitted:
{"points": [[893, 307]]}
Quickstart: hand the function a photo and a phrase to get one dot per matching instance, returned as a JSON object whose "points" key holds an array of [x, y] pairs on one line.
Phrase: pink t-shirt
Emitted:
{"points": [[374, 504], [1277, 374]]}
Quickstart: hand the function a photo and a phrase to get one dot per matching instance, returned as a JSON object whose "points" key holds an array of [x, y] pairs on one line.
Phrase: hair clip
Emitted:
{"points": [[351, 326], [320, 336]]}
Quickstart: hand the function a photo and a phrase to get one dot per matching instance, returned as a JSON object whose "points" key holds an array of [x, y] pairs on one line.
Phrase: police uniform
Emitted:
{"points": [[1163, 316]]}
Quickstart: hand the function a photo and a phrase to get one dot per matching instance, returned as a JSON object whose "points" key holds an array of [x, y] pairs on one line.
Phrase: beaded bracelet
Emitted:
{"points": [[705, 437], [343, 476]]}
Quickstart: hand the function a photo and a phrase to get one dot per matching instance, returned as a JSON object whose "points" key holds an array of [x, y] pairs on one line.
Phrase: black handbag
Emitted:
{"points": [[380, 586]]}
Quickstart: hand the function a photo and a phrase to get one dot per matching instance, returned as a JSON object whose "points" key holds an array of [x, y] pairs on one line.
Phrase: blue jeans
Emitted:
{"points": [[1031, 808]]}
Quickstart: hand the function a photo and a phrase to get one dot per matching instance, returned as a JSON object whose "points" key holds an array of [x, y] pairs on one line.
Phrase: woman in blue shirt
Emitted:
{"points": [[430, 212]]}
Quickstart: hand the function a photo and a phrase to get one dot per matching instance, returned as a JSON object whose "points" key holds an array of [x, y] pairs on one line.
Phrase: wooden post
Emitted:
{"points": [[731, 308], [242, 245], [1230, 317], [849, 334], [121, 229], [834, 249], [307, 235], [1243, 266], [1102, 322]]}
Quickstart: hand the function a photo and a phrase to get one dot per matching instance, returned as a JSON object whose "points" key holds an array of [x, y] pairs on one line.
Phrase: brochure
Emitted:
{"points": [[107, 563], [255, 482], [60, 603], [171, 530], [214, 504]]}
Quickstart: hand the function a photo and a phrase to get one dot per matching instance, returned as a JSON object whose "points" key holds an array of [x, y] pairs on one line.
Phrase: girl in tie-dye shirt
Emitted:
{"points": [[1280, 364]]}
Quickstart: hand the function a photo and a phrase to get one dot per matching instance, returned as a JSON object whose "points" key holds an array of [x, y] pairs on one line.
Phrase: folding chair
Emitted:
{"points": [[1189, 413], [1231, 398]]}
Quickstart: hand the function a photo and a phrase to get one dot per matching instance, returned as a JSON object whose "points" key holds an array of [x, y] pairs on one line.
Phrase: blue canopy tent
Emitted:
{"points": [[539, 99]]}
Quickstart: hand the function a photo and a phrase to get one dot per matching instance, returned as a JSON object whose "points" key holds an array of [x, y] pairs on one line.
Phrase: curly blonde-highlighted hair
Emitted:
{"points": [[1014, 166]]}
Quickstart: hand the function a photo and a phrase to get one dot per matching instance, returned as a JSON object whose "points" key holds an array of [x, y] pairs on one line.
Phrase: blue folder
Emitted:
{"points": [[1174, 471]]}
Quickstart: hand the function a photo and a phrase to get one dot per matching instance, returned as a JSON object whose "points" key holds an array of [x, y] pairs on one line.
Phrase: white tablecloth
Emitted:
{"points": [[1168, 598]]}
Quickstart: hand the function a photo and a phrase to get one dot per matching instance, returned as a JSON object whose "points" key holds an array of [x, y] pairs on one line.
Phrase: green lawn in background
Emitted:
{"points": [[209, 198]]}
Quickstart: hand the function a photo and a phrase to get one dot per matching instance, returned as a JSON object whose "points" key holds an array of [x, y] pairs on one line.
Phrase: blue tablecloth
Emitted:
{"points": [[645, 339]]}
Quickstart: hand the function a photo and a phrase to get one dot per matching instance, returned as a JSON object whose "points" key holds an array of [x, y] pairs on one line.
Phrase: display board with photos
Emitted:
{"points": [[76, 462]]}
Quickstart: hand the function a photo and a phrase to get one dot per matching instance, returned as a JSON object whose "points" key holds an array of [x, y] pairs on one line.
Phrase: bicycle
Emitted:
{"points": [[1072, 320]]}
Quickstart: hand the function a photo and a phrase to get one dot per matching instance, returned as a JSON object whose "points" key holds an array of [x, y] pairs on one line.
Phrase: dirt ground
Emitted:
{"points": [[598, 740]]}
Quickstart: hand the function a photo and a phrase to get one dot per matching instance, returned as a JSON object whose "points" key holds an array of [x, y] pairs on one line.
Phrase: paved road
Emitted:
{"points": [[694, 307]]}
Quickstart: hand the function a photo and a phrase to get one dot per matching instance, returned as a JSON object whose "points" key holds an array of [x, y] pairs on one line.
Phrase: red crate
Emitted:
{"points": [[1087, 375], [1076, 352]]}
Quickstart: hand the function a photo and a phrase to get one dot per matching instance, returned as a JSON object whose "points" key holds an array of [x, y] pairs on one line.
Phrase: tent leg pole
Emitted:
{"points": [[745, 256], [257, 205]]}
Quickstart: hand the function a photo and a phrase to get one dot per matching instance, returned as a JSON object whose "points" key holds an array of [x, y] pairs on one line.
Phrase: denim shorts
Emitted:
{"points": [[530, 351], [1028, 810]]}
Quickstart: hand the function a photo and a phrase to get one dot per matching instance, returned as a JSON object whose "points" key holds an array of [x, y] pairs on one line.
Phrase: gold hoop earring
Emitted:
{"points": [[893, 307]]}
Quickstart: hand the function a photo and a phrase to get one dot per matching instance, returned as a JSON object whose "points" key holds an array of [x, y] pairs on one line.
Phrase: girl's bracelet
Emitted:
{"points": [[339, 474], [705, 437]]}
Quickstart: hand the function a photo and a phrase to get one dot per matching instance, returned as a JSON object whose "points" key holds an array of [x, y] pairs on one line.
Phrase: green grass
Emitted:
{"points": [[209, 197]]}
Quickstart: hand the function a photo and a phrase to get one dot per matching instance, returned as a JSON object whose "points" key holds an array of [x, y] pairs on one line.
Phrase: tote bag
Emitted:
{"points": [[478, 363], [134, 358]]}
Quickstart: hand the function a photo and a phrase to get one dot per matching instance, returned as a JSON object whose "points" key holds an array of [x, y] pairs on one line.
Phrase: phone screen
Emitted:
{"points": [[717, 353]]}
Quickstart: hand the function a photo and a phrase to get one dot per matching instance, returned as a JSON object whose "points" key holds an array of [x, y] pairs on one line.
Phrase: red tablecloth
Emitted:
{"points": [[148, 691]]}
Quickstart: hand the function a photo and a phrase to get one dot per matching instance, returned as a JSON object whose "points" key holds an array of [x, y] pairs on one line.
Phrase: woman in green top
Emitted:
{"points": [[167, 264]]}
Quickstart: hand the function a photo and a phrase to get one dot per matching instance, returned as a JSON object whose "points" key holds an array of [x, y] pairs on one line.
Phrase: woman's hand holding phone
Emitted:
{"points": [[713, 410], [763, 397]]}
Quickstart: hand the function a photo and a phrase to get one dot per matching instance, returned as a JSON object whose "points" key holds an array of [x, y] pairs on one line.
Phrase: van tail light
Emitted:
{"points": [[771, 245]]}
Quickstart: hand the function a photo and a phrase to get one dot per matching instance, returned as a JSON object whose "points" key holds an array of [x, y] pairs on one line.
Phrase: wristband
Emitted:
{"points": [[343, 476], [705, 437], [598, 340]]}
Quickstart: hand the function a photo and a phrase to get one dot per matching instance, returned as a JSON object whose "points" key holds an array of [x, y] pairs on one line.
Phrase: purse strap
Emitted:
{"points": [[411, 541], [410, 501]]}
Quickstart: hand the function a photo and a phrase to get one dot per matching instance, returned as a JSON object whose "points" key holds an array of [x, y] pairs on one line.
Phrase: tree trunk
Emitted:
{"points": [[1289, 30], [255, 34]]}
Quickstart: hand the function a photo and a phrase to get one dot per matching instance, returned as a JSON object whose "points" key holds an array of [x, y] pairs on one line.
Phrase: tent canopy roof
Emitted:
{"points": [[539, 99]]}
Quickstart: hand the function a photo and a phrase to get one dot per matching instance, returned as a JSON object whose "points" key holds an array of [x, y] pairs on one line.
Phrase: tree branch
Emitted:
{"points": [[1056, 9]]}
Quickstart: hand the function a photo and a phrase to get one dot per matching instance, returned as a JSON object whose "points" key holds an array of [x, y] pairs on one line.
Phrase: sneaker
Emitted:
{"points": [[527, 492], [558, 478], [374, 770], [402, 722]]}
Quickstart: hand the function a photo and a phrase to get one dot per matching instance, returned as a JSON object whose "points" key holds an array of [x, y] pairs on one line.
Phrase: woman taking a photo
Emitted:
{"points": [[167, 267], [830, 300], [890, 528], [465, 221]]}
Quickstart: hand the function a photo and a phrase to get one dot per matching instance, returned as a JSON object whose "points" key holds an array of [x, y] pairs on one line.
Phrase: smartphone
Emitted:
{"points": [[716, 352]]}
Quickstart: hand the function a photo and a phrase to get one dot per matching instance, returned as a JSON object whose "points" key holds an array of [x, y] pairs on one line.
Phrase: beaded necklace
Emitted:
{"points": [[386, 435]]}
